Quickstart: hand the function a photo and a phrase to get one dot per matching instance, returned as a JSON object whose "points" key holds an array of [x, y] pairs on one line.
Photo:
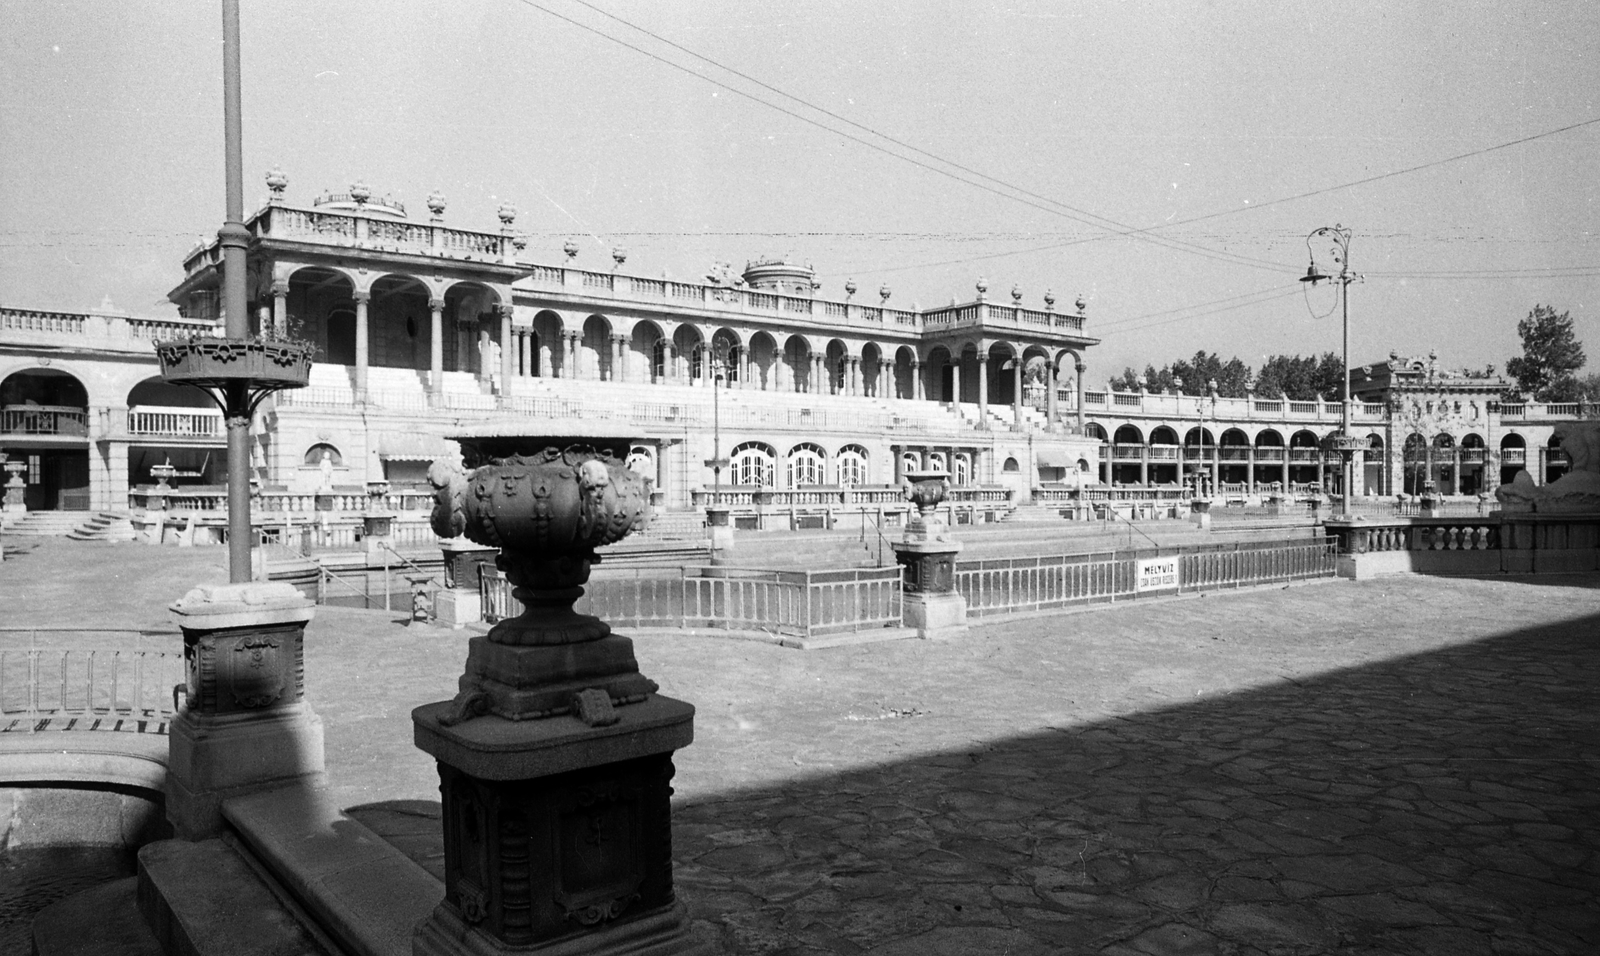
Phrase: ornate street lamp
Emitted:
{"points": [[239, 370], [1337, 246]]}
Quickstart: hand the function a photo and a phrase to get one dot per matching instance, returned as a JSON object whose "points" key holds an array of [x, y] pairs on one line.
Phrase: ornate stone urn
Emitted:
{"points": [[555, 756], [927, 489]]}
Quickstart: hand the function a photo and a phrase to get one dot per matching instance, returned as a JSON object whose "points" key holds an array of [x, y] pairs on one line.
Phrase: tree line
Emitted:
{"points": [[1299, 378], [1546, 371]]}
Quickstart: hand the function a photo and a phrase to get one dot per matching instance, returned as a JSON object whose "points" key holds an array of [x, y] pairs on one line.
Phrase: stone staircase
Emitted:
{"points": [[46, 524], [105, 526]]}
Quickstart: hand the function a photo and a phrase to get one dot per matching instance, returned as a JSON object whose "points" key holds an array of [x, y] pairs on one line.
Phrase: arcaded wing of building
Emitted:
{"points": [[423, 328]]}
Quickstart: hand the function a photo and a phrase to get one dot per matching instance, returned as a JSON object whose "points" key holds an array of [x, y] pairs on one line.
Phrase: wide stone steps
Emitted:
{"points": [[46, 524], [105, 526]]}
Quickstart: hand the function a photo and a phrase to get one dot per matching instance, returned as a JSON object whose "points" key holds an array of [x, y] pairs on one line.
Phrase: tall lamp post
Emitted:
{"points": [[1335, 242], [719, 516]]}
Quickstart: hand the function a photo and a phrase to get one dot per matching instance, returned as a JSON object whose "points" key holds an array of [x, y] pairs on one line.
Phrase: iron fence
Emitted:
{"points": [[1002, 586], [789, 603], [129, 688]]}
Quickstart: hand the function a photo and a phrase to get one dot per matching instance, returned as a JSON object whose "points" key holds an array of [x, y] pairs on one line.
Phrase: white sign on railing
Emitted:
{"points": [[1157, 574]]}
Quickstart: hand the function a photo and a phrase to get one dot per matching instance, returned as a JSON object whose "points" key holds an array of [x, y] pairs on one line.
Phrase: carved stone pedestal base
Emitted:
{"points": [[937, 617], [215, 757], [663, 933], [557, 831], [930, 602], [245, 724], [457, 607]]}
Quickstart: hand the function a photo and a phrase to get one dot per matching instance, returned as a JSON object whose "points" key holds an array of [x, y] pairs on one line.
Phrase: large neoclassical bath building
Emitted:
{"points": [[749, 380]]}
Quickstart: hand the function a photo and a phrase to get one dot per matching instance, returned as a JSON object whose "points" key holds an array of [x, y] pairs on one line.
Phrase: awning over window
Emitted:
{"points": [[1049, 457], [411, 446]]}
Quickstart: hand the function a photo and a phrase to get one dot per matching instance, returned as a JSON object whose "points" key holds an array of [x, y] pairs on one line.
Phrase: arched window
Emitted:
{"points": [[315, 452], [642, 461], [963, 470], [806, 465], [850, 466], [910, 461], [937, 462], [753, 464], [658, 361], [1011, 467]]}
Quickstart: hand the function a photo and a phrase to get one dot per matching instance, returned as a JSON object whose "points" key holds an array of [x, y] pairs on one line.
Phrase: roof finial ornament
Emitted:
{"points": [[277, 181], [436, 206], [360, 192]]}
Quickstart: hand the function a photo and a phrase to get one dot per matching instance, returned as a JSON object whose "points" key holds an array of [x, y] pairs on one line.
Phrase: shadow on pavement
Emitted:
{"points": [[1447, 802]]}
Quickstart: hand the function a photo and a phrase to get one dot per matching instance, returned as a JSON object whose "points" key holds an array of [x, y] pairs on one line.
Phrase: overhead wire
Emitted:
{"points": [[1017, 194], [1113, 228]]}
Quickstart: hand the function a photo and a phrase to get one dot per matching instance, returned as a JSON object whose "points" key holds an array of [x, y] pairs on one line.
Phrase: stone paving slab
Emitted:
{"points": [[1404, 765]]}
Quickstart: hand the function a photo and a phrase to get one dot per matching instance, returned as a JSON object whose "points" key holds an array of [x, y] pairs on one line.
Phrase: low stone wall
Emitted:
{"points": [[1504, 543]]}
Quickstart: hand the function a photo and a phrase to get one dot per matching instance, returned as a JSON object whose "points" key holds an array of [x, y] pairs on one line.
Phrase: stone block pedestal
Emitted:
{"points": [[930, 602], [557, 831], [245, 724], [457, 607]]}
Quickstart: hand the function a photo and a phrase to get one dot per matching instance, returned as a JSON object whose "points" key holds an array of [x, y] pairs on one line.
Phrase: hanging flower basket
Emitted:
{"points": [[266, 363]]}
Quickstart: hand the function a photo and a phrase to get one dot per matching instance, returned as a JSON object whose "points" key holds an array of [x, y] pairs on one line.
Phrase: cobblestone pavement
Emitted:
{"points": [[1406, 765]]}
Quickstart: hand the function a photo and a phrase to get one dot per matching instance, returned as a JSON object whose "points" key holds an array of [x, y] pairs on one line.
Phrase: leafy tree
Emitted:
{"points": [[1289, 375], [1588, 388], [1328, 379], [1550, 355]]}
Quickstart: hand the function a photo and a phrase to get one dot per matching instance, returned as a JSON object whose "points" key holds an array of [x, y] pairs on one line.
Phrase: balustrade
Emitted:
{"points": [[44, 420]]}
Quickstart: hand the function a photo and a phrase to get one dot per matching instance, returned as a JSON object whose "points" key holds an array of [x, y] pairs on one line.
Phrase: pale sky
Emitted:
{"points": [[1142, 113]]}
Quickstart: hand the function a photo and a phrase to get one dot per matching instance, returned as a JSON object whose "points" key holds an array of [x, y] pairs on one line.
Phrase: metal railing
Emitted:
{"points": [[130, 688], [1004, 586], [788, 603]]}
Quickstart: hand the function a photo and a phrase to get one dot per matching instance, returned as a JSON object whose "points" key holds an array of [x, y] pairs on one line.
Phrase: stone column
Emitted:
{"points": [[917, 392], [857, 386], [507, 356], [1455, 471], [1080, 368], [1250, 470], [1016, 392], [983, 390], [245, 724], [1052, 401], [955, 383], [1144, 464], [280, 307], [362, 298], [436, 349]]}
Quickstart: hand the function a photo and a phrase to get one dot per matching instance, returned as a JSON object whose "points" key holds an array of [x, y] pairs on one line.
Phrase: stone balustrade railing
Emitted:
{"points": [[1501, 542], [99, 330]]}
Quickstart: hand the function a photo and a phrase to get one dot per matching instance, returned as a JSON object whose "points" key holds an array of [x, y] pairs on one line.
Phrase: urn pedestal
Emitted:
{"points": [[927, 557], [929, 601], [1200, 513], [460, 602], [245, 724], [719, 520], [16, 494], [555, 758], [377, 532]]}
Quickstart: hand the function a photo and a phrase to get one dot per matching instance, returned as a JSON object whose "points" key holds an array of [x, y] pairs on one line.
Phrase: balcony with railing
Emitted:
{"points": [[174, 423], [44, 420]]}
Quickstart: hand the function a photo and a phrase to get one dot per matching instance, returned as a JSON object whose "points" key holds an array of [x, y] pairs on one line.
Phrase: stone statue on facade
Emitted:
{"points": [[1576, 492]]}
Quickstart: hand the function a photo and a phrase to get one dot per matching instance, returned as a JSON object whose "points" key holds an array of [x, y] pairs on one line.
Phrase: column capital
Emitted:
{"points": [[362, 296], [435, 304], [506, 311], [280, 286]]}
